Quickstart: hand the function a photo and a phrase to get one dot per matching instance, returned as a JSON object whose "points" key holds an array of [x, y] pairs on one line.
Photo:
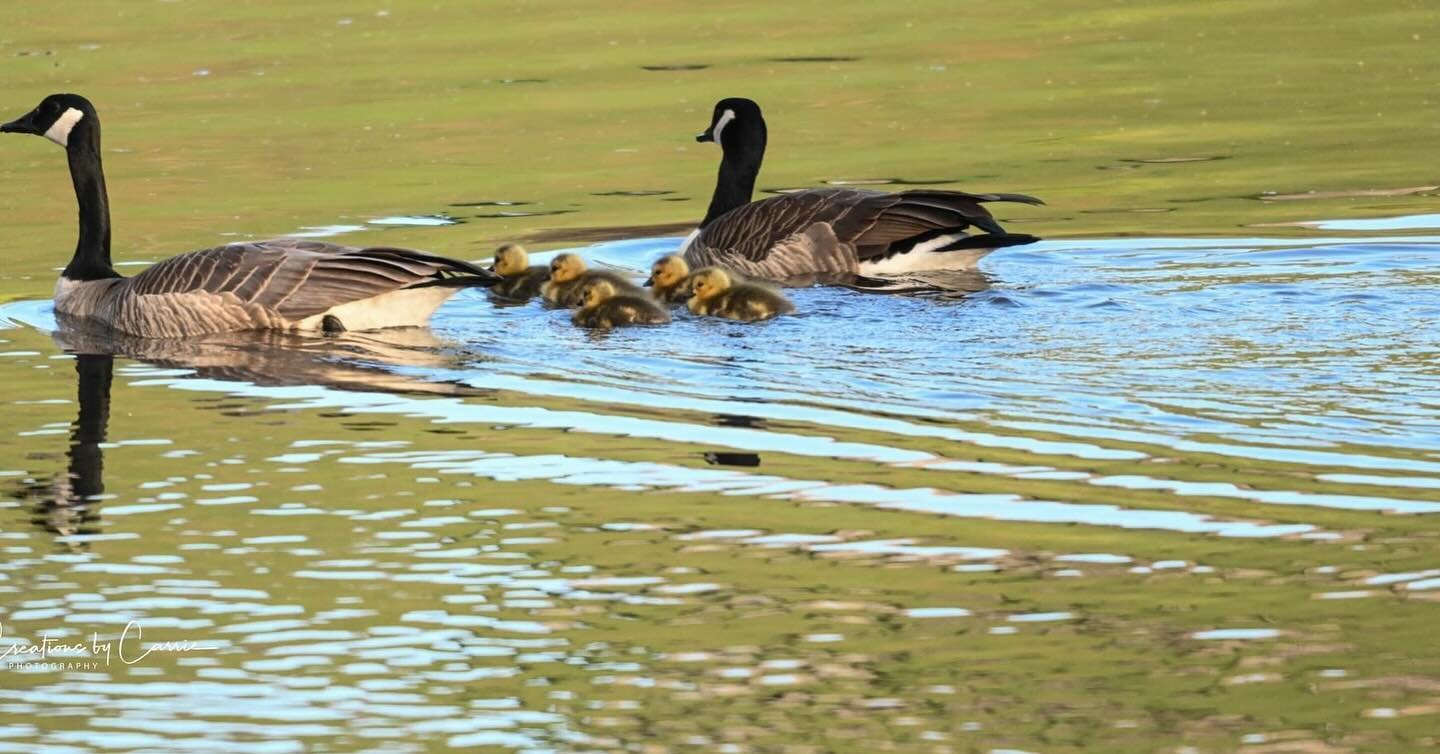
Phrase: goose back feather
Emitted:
{"points": [[281, 284], [836, 230]]}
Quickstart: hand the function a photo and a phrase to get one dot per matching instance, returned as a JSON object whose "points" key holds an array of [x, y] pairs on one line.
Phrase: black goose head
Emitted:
{"points": [[736, 121], [58, 118]]}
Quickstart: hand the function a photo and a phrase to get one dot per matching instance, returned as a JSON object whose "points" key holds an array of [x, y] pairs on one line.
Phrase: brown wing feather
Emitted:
{"points": [[297, 278], [753, 229], [865, 223]]}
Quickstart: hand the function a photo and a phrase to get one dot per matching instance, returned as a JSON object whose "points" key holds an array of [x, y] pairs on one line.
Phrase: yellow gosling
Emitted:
{"points": [[669, 281], [718, 294], [521, 282], [603, 306], [568, 276]]}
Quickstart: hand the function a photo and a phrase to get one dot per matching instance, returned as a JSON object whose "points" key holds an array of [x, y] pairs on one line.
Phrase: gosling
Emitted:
{"points": [[669, 281], [521, 281], [568, 277], [719, 295], [603, 306]]}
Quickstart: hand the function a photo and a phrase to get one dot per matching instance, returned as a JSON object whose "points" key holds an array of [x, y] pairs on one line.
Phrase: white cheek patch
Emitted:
{"points": [[60, 131], [721, 123]]}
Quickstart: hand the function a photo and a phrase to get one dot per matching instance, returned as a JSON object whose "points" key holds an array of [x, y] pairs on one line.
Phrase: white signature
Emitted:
{"points": [[129, 648]]}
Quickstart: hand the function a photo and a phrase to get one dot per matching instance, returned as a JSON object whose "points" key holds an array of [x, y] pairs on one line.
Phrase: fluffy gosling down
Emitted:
{"points": [[669, 280], [603, 306], [520, 282], [718, 294], [568, 277]]}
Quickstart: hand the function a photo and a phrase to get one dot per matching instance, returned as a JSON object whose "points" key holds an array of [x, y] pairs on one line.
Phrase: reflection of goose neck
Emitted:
{"points": [[88, 432]]}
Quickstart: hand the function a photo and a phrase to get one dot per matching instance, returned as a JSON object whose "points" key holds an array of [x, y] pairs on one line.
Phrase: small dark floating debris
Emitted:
{"points": [[1124, 210], [522, 213], [640, 192], [749, 460], [595, 234], [676, 199], [677, 67], [890, 181], [816, 59], [490, 203], [738, 420], [929, 181], [1169, 160]]}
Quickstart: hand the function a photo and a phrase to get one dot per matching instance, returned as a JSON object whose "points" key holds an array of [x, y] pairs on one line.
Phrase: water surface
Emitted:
{"points": [[1165, 480], [891, 510]]}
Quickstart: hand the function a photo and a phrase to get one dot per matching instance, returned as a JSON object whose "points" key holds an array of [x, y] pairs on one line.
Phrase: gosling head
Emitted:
{"points": [[596, 293], [566, 267], [510, 259], [709, 282], [668, 271], [61, 118]]}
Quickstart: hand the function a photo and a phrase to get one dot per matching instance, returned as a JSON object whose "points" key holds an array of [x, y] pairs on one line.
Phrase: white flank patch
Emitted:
{"points": [[59, 132], [721, 123], [924, 257], [406, 307]]}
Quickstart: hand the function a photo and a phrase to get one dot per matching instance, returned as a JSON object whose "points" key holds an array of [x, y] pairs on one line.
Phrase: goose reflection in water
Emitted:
{"points": [[67, 503], [390, 361]]}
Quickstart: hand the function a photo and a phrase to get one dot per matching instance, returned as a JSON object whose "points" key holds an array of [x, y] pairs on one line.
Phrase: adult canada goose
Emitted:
{"points": [[281, 284], [522, 282], [603, 306], [669, 279], [831, 231], [718, 294]]}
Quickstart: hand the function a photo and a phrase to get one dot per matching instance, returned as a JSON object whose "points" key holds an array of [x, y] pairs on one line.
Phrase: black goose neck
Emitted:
{"points": [[739, 167], [92, 250]]}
